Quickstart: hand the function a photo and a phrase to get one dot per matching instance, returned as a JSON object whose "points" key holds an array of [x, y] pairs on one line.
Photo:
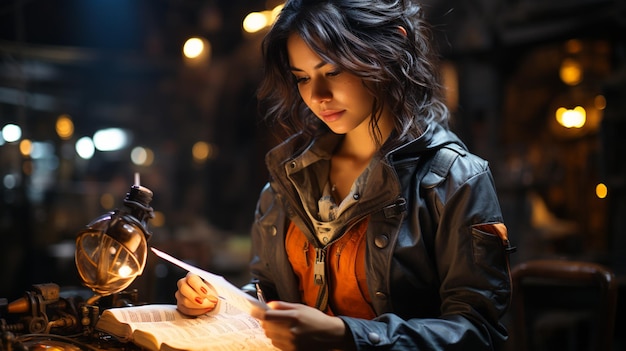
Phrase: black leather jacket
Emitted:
{"points": [[437, 282]]}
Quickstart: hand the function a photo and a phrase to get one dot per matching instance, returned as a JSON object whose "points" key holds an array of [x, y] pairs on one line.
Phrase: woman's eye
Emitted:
{"points": [[300, 80], [333, 73]]}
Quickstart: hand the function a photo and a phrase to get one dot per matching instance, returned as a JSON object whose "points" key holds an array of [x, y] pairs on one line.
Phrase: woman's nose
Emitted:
{"points": [[320, 92]]}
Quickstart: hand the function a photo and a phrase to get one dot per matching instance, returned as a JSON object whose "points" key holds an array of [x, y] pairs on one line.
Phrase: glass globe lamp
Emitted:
{"points": [[112, 250]]}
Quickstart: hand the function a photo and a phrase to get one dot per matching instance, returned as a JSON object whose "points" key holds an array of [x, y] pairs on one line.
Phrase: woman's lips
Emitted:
{"points": [[331, 115]]}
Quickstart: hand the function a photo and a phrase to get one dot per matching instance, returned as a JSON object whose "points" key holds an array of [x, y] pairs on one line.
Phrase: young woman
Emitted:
{"points": [[378, 229]]}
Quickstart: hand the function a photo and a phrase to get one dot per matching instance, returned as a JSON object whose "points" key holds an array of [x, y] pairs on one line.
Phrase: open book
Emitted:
{"points": [[161, 327]]}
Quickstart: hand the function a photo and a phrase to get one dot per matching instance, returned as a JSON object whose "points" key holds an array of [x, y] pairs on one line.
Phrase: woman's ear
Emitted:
{"points": [[402, 30]]}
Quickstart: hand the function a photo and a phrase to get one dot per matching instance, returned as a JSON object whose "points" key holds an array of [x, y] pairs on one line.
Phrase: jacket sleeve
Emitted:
{"points": [[269, 266], [470, 253], [263, 229]]}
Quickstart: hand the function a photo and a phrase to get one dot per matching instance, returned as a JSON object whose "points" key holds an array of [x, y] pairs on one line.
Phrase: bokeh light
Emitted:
{"points": [[11, 133], [64, 127]]}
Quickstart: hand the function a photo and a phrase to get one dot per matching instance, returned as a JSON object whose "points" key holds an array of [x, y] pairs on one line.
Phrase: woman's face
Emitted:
{"points": [[336, 97]]}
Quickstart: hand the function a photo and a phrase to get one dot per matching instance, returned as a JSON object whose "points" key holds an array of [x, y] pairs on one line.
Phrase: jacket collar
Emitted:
{"points": [[435, 137], [293, 155]]}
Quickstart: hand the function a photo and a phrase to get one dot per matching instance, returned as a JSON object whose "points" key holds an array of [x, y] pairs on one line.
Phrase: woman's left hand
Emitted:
{"points": [[293, 326]]}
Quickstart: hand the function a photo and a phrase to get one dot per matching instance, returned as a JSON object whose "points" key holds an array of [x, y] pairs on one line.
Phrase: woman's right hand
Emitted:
{"points": [[194, 297]]}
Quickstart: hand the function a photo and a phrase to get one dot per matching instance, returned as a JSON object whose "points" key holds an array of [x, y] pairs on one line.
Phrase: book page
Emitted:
{"points": [[245, 340], [120, 322], [154, 326], [225, 290], [206, 332]]}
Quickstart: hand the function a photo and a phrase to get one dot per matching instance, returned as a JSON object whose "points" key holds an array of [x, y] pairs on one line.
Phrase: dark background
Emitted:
{"points": [[118, 63]]}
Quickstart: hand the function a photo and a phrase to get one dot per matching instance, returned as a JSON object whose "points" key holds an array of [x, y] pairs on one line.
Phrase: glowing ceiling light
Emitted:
{"points": [[202, 151], [26, 147], [254, 22], [193, 47], [85, 148], [571, 118], [111, 139], [601, 191], [11, 133], [571, 72], [64, 127], [197, 52]]}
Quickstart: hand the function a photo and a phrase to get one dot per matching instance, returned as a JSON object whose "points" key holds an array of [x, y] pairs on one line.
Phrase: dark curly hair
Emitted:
{"points": [[361, 37]]}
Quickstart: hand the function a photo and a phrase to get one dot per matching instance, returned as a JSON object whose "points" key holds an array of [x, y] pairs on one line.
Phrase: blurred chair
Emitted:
{"points": [[563, 305]]}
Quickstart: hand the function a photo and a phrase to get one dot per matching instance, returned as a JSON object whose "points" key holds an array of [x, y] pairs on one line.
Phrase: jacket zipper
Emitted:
{"points": [[319, 269]]}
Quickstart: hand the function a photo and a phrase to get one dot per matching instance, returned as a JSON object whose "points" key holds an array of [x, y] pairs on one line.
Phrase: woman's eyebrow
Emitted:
{"points": [[319, 65]]}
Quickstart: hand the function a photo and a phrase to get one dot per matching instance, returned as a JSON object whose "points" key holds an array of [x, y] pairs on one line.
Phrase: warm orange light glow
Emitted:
{"points": [[601, 191], [571, 72], [26, 147], [254, 22], [125, 271], [571, 118], [202, 151], [193, 47], [257, 21], [197, 51], [64, 127]]}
